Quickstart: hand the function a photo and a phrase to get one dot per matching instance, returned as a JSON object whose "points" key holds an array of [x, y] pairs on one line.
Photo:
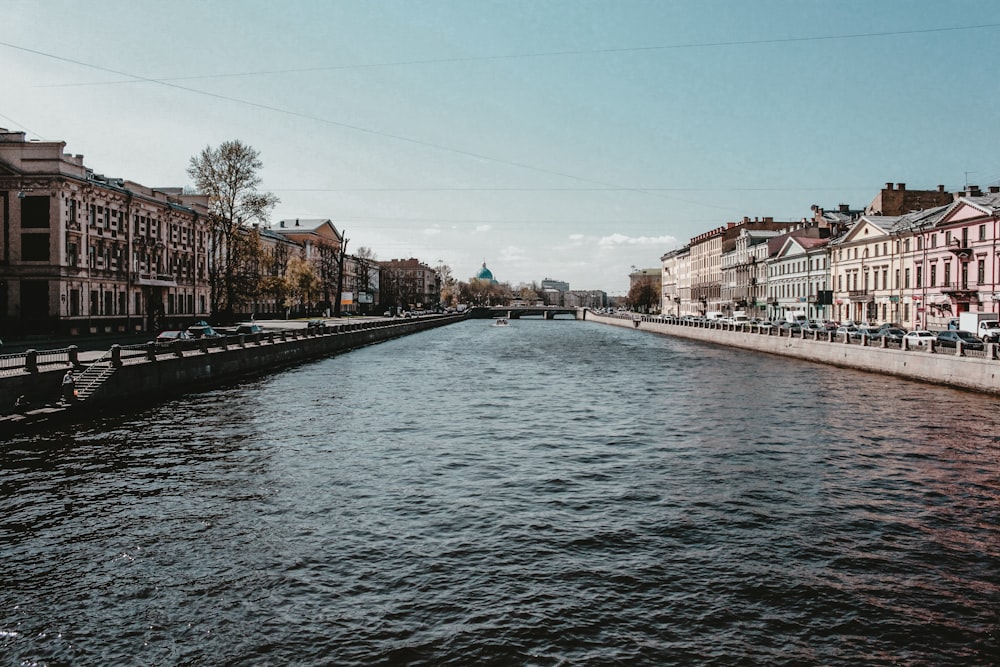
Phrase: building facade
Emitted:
{"points": [[81, 253]]}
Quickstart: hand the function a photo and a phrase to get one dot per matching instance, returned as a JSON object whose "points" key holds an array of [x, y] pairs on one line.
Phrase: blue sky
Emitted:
{"points": [[560, 139]]}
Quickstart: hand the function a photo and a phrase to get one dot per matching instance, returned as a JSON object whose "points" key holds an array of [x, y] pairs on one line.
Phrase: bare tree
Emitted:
{"points": [[302, 285], [229, 176], [365, 274], [327, 262], [449, 286]]}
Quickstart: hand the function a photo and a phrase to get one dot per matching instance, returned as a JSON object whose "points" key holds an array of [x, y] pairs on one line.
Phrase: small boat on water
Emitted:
{"points": [[501, 322]]}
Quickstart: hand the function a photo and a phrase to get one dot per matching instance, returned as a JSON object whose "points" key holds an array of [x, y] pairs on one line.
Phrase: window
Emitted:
{"points": [[920, 276], [35, 213], [933, 240], [920, 243], [947, 237], [947, 275], [933, 275], [982, 233], [906, 279], [906, 245], [981, 272], [35, 247], [965, 275]]}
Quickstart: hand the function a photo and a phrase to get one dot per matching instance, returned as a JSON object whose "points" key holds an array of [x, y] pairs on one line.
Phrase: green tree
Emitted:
{"points": [[229, 176]]}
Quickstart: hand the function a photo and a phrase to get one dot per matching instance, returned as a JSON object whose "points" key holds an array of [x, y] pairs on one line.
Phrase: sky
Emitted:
{"points": [[573, 140]]}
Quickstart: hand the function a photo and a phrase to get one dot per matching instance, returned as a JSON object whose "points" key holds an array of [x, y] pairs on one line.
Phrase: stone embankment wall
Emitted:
{"points": [[195, 368], [946, 367]]}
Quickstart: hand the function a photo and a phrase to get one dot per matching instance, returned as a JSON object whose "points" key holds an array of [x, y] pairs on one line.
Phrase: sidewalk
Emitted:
{"points": [[102, 342]]}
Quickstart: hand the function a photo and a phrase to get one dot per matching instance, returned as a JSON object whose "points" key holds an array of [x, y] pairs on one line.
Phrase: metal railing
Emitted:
{"points": [[35, 361], [989, 351]]}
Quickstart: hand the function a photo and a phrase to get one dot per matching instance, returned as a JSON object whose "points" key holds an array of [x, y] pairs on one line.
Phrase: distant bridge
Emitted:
{"points": [[517, 312]]}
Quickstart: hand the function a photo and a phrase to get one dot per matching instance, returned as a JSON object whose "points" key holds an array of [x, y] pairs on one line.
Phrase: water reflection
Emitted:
{"points": [[545, 493]]}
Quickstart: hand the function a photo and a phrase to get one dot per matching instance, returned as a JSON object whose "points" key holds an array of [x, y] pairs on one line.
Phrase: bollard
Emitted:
{"points": [[203, 345], [177, 349], [242, 340], [116, 355], [74, 356], [151, 351], [31, 361]]}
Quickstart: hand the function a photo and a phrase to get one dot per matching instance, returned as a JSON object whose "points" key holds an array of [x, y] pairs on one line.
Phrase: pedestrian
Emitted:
{"points": [[69, 387]]}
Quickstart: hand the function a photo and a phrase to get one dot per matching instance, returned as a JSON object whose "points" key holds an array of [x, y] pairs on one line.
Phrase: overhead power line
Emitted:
{"points": [[539, 54], [356, 128]]}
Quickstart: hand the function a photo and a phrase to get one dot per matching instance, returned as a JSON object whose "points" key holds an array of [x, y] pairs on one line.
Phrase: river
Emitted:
{"points": [[549, 493]]}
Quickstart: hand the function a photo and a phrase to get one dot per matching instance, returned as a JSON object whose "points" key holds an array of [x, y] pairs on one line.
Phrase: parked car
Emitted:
{"points": [[202, 331], [168, 337], [919, 338], [846, 330], [249, 329], [891, 334], [864, 330], [951, 338], [315, 324]]}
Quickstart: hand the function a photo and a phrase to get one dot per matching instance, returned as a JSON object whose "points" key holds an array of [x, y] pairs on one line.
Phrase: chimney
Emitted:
{"points": [[844, 208], [282, 223], [994, 189], [974, 191], [940, 188], [296, 222], [900, 186], [888, 186], [768, 219]]}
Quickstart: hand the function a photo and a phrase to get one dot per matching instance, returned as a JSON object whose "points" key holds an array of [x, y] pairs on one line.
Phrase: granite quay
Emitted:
{"points": [[129, 374], [976, 370]]}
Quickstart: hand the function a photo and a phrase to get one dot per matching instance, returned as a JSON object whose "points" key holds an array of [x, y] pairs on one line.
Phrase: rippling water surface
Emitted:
{"points": [[551, 493]]}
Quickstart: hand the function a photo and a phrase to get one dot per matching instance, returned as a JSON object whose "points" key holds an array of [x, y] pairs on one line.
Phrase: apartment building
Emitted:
{"points": [[83, 253]]}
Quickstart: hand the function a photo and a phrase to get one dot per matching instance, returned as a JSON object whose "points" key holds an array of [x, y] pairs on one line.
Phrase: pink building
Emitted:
{"points": [[956, 260]]}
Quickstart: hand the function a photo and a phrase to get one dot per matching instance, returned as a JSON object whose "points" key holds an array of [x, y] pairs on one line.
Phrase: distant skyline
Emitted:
{"points": [[570, 140]]}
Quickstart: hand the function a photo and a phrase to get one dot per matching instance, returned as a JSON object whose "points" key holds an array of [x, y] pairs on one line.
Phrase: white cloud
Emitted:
{"points": [[483, 228], [621, 239]]}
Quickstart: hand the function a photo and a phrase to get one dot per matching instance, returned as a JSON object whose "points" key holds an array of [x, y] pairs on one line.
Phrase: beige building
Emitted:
{"points": [[82, 253]]}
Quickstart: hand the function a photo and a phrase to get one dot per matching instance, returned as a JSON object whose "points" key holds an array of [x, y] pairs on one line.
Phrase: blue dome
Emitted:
{"points": [[484, 274]]}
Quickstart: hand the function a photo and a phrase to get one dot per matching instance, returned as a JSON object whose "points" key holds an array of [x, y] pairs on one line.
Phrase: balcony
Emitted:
{"points": [[154, 279], [860, 296], [963, 253]]}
